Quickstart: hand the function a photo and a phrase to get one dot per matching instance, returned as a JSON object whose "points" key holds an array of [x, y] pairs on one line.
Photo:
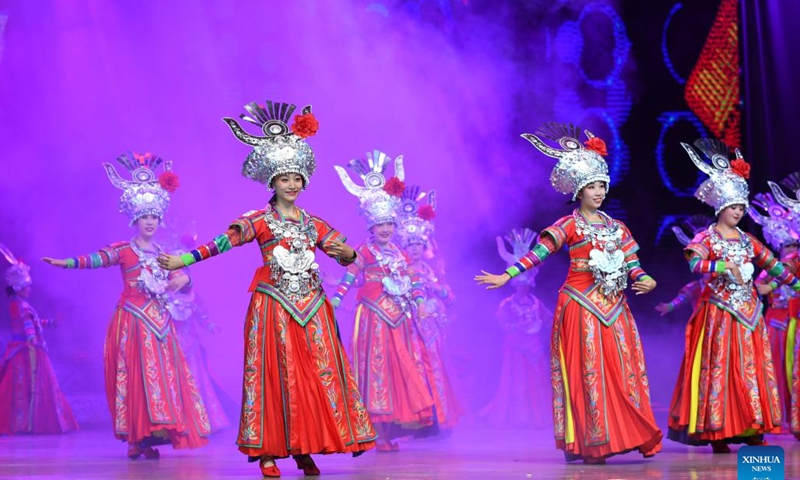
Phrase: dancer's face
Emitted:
{"points": [[288, 187], [731, 216], [382, 232], [415, 251], [592, 195], [147, 226], [787, 250]]}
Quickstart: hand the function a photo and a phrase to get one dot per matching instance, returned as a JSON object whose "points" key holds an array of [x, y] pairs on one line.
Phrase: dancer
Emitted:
{"points": [[299, 396], [783, 239], [414, 231], [189, 316], [523, 395], [601, 394], [30, 399], [387, 351], [690, 293], [151, 394], [726, 390]]}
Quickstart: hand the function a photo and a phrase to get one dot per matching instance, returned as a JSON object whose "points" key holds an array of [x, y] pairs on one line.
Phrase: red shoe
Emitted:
{"points": [[594, 460], [151, 453], [384, 447], [134, 451], [270, 471], [720, 447], [306, 464]]}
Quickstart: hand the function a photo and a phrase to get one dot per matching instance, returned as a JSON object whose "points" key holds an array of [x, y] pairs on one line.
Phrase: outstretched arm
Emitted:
{"points": [[237, 235], [105, 257]]}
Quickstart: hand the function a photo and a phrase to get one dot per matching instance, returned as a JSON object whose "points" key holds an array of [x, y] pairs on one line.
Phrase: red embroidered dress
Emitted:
{"points": [[778, 325], [299, 395], [151, 394], [30, 399], [387, 350], [726, 388], [601, 394], [188, 316]]}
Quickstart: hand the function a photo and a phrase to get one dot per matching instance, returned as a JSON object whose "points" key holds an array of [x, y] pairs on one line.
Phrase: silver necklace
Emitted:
{"points": [[739, 252], [153, 280], [606, 259], [294, 269], [396, 282]]}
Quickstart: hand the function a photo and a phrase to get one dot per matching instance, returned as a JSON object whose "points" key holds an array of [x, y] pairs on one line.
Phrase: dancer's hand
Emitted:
{"points": [[177, 282], [734, 269], [664, 308], [340, 249], [644, 286], [56, 262], [170, 262], [764, 288], [492, 281]]}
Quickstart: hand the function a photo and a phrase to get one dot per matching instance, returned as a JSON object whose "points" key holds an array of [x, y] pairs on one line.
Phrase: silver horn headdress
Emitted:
{"points": [[18, 276], [727, 182], [379, 198], [775, 225], [144, 194], [521, 241], [415, 224], [791, 183], [282, 149], [578, 164]]}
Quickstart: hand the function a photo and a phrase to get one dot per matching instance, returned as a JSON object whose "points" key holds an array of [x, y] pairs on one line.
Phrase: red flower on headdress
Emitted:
{"points": [[394, 187], [427, 213], [169, 181], [305, 125], [741, 168], [597, 145]]}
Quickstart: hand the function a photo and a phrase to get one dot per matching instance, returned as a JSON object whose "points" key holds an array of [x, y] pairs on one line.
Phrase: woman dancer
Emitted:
{"points": [[414, 231], [780, 236], [151, 394], [601, 394], [299, 396], [30, 399], [726, 390], [387, 351], [523, 396]]}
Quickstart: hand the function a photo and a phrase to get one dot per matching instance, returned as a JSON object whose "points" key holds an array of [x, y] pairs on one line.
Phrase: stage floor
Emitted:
{"points": [[469, 454]]}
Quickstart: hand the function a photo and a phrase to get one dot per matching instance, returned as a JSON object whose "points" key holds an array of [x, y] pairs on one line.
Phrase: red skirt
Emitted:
{"points": [[391, 374], [151, 394], [30, 399], [601, 393], [726, 389], [777, 323], [437, 373], [299, 394]]}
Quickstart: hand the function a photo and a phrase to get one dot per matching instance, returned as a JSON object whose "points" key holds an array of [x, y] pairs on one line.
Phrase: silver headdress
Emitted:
{"points": [[18, 276], [379, 198], [791, 183], [694, 225], [144, 194], [775, 222], [282, 149], [727, 182], [521, 242], [415, 225], [578, 164]]}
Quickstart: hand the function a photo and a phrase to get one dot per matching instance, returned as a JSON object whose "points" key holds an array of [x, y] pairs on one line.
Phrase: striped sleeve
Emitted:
{"points": [[105, 257], [551, 240], [240, 232], [764, 259]]}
